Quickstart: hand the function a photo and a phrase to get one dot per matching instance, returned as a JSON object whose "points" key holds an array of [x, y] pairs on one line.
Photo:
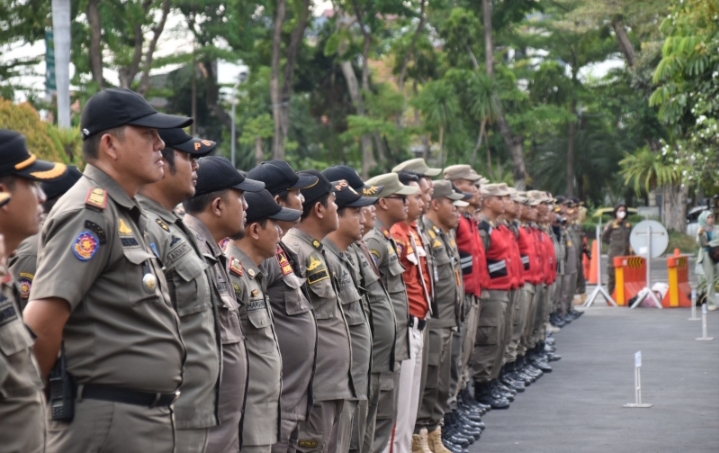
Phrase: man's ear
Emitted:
{"points": [[253, 231], [216, 207], [5, 189], [319, 210], [382, 204], [108, 145]]}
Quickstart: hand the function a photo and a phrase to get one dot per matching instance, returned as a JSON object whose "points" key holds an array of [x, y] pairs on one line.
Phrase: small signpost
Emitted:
{"points": [[642, 241], [694, 306], [599, 290], [704, 336], [637, 383]]}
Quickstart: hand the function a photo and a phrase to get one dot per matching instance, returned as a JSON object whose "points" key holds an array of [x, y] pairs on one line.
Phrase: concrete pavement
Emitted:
{"points": [[578, 407]]}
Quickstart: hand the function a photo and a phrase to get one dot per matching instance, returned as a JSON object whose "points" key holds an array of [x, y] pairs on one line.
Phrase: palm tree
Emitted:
{"points": [[485, 106], [439, 105]]}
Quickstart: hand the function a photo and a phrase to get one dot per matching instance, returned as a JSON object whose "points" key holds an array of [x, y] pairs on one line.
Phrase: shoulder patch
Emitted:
{"points": [[318, 277], [25, 283], [236, 267], [162, 224], [400, 248], [179, 251], [96, 198], [85, 245], [174, 240], [238, 290], [284, 263], [313, 264], [95, 228]]}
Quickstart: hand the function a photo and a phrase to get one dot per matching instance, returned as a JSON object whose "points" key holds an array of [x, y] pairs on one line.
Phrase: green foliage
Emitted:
{"points": [[24, 119], [647, 170]]}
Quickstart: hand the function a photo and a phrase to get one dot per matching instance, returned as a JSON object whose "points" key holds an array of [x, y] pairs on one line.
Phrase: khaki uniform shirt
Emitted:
{"points": [[384, 252], [189, 282], [354, 310], [23, 266], [296, 330], [380, 310], [332, 379], [570, 244], [616, 234], [560, 249], [446, 271], [261, 426], [123, 330], [233, 382], [21, 401]]}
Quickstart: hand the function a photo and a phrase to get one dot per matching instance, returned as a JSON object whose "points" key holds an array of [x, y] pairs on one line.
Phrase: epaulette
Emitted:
{"points": [[96, 199], [236, 267], [486, 226]]}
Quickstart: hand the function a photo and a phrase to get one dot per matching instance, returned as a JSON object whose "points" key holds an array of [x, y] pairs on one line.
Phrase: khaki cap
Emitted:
{"points": [[444, 189], [391, 184], [520, 197], [495, 190], [418, 166], [461, 172]]}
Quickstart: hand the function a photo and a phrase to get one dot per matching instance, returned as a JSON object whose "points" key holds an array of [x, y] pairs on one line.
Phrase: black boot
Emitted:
{"points": [[484, 394]]}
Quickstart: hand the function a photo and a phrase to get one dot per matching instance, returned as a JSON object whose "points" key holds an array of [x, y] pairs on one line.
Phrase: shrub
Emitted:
{"points": [[23, 118]]}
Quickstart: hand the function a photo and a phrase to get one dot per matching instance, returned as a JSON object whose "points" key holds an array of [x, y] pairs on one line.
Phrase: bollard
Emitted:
{"points": [[694, 306], [679, 287], [704, 336], [637, 383]]}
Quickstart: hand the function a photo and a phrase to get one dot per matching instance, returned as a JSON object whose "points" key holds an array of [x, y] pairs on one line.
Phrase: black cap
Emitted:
{"points": [[314, 192], [182, 141], [465, 195], [115, 107], [347, 196], [58, 187], [278, 177], [16, 160], [261, 205], [560, 199], [217, 173], [339, 172]]}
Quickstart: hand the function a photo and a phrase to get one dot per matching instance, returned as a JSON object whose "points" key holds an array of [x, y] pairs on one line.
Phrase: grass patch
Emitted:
{"points": [[684, 242]]}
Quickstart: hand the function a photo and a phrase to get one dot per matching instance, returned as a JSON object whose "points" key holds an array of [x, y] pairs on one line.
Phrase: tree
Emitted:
{"points": [[439, 105]]}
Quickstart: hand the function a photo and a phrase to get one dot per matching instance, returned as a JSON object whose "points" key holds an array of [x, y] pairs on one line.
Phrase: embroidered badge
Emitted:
{"points": [[123, 229], [162, 224], [400, 248], [314, 264], [96, 198], [179, 251], [174, 240], [129, 242], [370, 191], [284, 263], [7, 312], [95, 228], [25, 283], [318, 277], [256, 304], [238, 290], [375, 256], [316, 244], [236, 267], [305, 443], [85, 245]]}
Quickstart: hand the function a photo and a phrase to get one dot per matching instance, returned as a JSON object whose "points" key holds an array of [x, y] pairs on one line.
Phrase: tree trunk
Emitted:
{"points": [[156, 32], [259, 152], [93, 17], [278, 146], [441, 145], [410, 51], [368, 161], [479, 141], [570, 150], [513, 142], [489, 153], [293, 49], [62, 37], [625, 44], [674, 197]]}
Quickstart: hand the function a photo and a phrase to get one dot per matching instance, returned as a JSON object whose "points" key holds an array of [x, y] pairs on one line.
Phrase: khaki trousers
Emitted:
{"points": [[386, 410], [373, 399], [113, 427], [320, 432], [23, 423], [436, 388], [531, 295], [509, 325], [359, 427], [466, 347], [348, 417], [191, 440], [289, 432], [488, 349], [521, 306]]}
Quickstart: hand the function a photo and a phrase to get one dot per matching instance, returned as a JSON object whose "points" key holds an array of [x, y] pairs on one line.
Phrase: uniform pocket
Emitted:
{"points": [[487, 335], [324, 300], [259, 336], [395, 283], [19, 374], [295, 301], [191, 286], [231, 327]]}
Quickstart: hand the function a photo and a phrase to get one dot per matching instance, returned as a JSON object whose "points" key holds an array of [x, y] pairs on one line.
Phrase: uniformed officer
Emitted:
{"points": [[295, 324], [332, 383], [215, 212], [382, 321], [489, 345], [466, 410], [189, 281], [616, 234], [439, 222], [22, 405], [560, 247], [23, 264], [245, 253], [390, 209], [339, 256], [100, 293]]}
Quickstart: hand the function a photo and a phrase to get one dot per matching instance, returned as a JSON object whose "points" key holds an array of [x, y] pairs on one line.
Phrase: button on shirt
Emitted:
{"points": [[265, 365], [122, 330], [189, 283]]}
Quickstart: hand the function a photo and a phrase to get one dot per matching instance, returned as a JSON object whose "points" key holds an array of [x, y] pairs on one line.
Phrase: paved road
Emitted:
{"points": [[578, 407]]}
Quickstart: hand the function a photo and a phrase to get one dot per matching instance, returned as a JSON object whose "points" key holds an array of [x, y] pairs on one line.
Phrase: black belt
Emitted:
{"points": [[127, 396], [421, 323]]}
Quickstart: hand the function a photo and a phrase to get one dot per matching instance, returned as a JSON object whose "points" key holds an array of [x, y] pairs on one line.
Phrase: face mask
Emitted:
{"points": [[621, 215]]}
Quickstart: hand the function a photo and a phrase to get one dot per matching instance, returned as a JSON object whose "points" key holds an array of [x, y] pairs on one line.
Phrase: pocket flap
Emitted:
{"points": [[136, 255], [190, 268], [257, 314]]}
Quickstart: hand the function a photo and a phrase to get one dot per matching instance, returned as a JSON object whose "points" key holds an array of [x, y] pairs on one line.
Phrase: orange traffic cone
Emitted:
{"points": [[585, 261], [594, 265]]}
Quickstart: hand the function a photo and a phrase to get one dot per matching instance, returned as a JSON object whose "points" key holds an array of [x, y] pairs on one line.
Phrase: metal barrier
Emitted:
{"points": [[679, 294]]}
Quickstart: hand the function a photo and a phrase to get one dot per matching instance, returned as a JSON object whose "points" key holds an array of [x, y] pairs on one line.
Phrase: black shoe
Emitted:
{"points": [[484, 394], [542, 365], [552, 357], [499, 393], [514, 384]]}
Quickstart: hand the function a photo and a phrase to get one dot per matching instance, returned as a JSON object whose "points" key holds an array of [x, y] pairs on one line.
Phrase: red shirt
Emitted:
{"points": [[412, 259]]}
